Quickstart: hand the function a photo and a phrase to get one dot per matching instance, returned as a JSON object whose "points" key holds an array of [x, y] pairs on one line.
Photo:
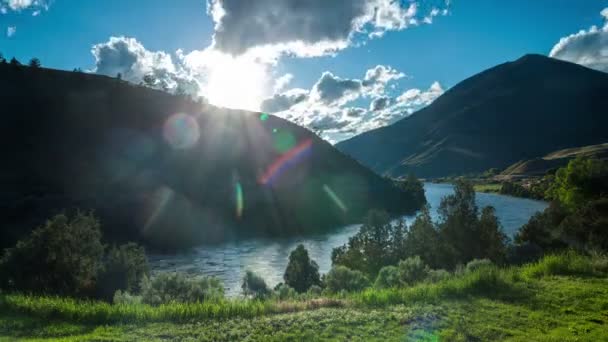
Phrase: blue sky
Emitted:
{"points": [[465, 37]]}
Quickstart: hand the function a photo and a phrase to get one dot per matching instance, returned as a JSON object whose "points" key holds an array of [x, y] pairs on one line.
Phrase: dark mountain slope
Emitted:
{"points": [[73, 140], [514, 111]]}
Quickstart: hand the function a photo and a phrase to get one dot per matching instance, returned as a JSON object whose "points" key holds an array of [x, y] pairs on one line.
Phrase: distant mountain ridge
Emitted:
{"points": [[514, 111], [166, 170]]}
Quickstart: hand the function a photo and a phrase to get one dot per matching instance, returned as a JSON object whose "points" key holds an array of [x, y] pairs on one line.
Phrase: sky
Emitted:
{"points": [[338, 67]]}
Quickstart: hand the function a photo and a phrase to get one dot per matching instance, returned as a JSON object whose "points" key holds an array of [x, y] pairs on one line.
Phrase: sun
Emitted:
{"points": [[233, 82]]}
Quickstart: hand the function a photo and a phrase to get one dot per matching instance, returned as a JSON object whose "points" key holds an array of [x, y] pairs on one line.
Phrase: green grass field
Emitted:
{"points": [[488, 187], [560, 298]]}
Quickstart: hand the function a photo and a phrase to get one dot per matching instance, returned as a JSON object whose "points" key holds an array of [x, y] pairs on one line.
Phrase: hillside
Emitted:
{"points": [[540, 166], [74, 140], [515, 111]]}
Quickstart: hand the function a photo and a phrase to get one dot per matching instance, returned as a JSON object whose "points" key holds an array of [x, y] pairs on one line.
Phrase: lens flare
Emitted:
{"points": [[238, 189], [160, 198], [283, 141], [264, 116], [288, 159], [181, 131], [334, 197]]}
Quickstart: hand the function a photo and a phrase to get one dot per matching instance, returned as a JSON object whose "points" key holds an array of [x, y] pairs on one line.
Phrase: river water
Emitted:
{"points": [[268, 257]]}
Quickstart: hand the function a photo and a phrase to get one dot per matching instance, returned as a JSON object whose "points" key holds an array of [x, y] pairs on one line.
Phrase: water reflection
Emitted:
{"points": [[268, 257]]}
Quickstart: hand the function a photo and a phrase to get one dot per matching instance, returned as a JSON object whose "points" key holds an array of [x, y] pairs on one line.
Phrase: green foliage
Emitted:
{"points": [[14, 62], [476, 264], [412, 270], [341, 278], [124, 269], [414, 188], [436, 276], [568, 263], [387, 277], [423, 239], [61, 257], [463, 234], [284, 292], [176, 287], [301, 272], [124, 297], [581, 181], [254, 286], [378, 243]]}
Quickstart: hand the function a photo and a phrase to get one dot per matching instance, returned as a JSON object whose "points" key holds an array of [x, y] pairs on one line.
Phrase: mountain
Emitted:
{"points": [[166, 170], [514, 111], [540, 166]]}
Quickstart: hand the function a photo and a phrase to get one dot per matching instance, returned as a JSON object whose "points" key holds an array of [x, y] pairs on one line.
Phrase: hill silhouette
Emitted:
{"points": [[515, 111], [167, 170]]}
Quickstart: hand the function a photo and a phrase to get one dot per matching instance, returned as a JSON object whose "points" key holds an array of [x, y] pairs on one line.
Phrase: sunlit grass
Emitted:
{"points": [[561, 296]]}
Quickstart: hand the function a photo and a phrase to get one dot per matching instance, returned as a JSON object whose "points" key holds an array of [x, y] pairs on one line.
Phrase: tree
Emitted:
{"points": [[149, 80], [413, 187], [34, 63], [254, 286], [119, 76], [301, 272], [61, 257], [581, 181], [124, 269], [423, 239], [14, 62], [2, 59], [370, 249], [458, 224], [493, 241]]}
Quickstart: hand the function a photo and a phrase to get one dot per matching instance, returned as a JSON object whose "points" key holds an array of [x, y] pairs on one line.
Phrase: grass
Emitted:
{"points": [[560, 298], [488, 187]]}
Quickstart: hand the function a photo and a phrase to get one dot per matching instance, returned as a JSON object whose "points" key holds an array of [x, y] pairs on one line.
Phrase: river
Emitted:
{"points": [[268, 257]]}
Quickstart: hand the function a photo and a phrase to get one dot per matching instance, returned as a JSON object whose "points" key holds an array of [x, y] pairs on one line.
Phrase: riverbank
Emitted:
{"points": [[559, 298]]}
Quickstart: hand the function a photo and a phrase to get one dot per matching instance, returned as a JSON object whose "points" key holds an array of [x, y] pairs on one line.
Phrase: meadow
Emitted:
{"points": [[562, 297]]}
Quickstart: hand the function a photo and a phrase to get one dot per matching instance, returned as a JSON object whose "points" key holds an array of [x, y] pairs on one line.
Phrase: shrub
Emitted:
{"points": [[524, 253], [476, 264], [175, 287], [62, 257], [436, 276], [124, 269], [284, 292], [342, 278], [254, 286], [315, 290], [412, 270], [567, 263], [124, 297], [301, 272], [387, 277]]}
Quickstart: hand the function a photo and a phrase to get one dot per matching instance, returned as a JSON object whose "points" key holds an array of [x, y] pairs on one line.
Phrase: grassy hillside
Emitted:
{"points": [[560, 298], [165, 169], [515, 111], [554, 160]]}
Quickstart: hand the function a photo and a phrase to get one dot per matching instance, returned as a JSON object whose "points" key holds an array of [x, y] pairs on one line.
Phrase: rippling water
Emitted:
{"points": [[268, 257]]}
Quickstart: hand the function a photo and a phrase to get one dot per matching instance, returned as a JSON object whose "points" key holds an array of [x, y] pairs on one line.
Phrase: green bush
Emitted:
{"points": [[254, 286], [476, 264], [176, 287], [284, 292], [412, 270], [436, 276], [62, 257], [567, 263], [124, 269], [124, 297], [387, 277], [342, 278]]}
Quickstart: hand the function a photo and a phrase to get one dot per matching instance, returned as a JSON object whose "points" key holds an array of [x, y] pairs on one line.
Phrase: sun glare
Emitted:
{"points": [[233, 82]]}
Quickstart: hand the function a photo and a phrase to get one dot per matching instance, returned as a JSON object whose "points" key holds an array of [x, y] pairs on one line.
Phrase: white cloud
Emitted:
{"points": [[324, 109], [128, 57], [281, 82], [20, 5], [307, 28], [11, 31], [586, 47]]}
